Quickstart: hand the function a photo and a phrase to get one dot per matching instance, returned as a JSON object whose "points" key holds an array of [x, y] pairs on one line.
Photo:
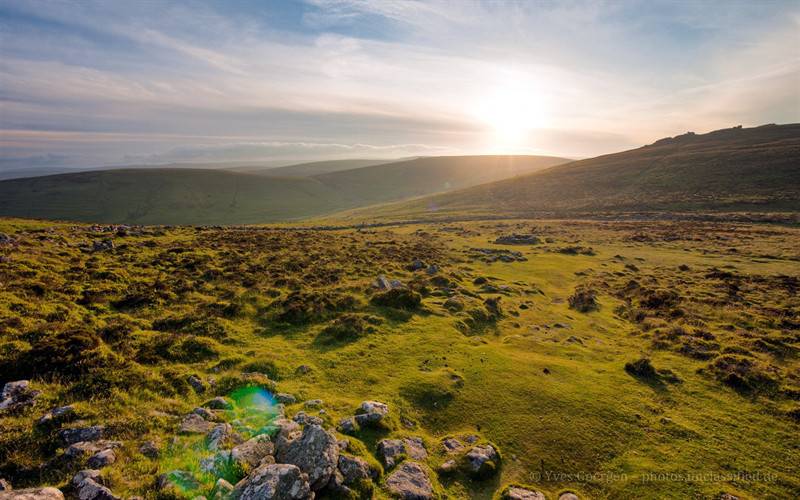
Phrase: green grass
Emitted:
{"points": [[586, 425]]}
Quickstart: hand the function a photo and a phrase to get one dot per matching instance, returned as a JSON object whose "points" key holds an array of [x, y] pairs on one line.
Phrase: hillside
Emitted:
{"points": [[310, 168], [753, 169], [208, 196]]}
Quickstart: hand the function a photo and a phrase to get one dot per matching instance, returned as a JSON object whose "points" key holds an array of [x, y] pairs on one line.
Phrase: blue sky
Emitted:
{"points": [[88, 83]]}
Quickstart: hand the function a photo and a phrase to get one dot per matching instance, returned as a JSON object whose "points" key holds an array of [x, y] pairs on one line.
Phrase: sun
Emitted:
{"points": [[510, 112]]}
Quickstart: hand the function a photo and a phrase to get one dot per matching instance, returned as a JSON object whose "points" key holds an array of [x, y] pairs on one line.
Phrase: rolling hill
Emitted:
{"points": [[737, 169], [309, 169], [208, 196]]}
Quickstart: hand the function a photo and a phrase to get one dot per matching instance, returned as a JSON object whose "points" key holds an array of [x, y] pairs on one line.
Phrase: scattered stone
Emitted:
{"points": [[274, 482], [448, 467], [313, 403], [88, 486], [205, 413], [13, 389], [17, 396], [471, 439], [102, 245], [197, 384], [518, 493], [347, 425], [568, 495], [354, 469], [389, 450], [150, 449], [303, 370], [517, 239], [452, 445], [303, 418], [102, 459], [78, 434], [382, 283], [195, 424], [410, 482], [77, 452], [371, 413], [219, 436], [315, 452], [284, 398], [222, 490], [482, 461], [415, 266], [252, 451], [218, 403], [432, 269], [33, 494], [56, 416], [5, 485]]}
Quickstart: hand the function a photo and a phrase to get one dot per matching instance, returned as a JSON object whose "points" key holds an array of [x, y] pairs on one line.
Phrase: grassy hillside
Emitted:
{"points": [[532, 347], [311, 168], [733, 169], [207, 196]]}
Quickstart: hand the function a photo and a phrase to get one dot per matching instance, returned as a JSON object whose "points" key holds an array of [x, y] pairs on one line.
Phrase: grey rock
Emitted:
{"points": [[354, 469], [371, 413], [313, 403], [517, 493], [274, 482], [102, 459], [572, 496], [303, 418], [150, 449], [195, 424], [77, 452], [88, 486], [252, 452], [283, 431], [448, 467], [56, 416], [197, 384], [284, 398], [315, 452], [452, 445], [410, 482], [219, 436], [218, 403], [390, 449], [483, 460], [78, 434], [14, 389], [17, 396], [347, 425], [205, 413], [432, 269], [32, 494]]}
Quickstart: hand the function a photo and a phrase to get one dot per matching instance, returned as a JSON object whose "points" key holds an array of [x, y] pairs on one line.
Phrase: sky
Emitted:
{"points": [[91, 83]]}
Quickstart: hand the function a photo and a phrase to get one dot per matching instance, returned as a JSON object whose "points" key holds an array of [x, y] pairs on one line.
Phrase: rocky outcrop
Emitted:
{"points": [[16, 396], [80, 434], [519, 493], [389, 450], [274, 482], [88, 486], [410, 482], [482, 461], [249, 454], [315, 452], [32, 494], [371, 413]]}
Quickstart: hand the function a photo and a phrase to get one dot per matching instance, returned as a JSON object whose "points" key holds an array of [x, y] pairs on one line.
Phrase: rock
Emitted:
{"points": [[452, 445], [205, 413], [219, 436], [56, 416], [150, 449], [17, 396], [347, 425], [432, 269], [315, 452], [564, 496], [410, 482], [371, 413], [284, 398], [33, 494], [390, 449], [102, 459], [517, 239], [88, 486], [195, 424], [197, 384], [102, 245], [518, 493], [14, 389], [382, 283], [454, 304], [354, 469], [218, 403], [303, 418], [303, 370], [313, 403], [5, 485], [448, 467], [79, 451], [283, 431], [177, 479], [482, 461], [274, 482], [78, 434], [250, 453], [222, 490], [471, 439], [416, 265]]}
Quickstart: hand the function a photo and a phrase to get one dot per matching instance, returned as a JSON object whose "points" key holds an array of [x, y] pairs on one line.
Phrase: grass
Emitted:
{"points": [[545, 383]]}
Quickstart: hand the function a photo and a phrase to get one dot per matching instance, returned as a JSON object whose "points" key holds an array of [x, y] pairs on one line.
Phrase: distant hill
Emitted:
{"points": [[311, 168], [208, 196], [738, 169]]}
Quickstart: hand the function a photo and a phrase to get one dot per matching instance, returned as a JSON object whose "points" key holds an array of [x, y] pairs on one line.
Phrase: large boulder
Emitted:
{"points": [[371, 413], [390, 450], [56, 416], [17, 396], [354, 469], [274, 482], [249, 454], [88, 486], [315, 452], [283, 431], [410, 482], [482, 461], [79, 434], [32, 494], [195, 424], [519, 493]]}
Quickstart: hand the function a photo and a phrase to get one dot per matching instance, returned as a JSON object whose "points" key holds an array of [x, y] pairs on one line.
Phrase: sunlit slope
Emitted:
{"points": [[207, 196], [751, 169], [422, 176], [311, 168]]}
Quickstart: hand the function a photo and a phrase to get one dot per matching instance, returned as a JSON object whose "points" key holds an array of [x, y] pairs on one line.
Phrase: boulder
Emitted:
{"points": [[448, 467], [452, 445], [249, 454], [5, 485], [304, 418], [519, 493], [274, 482], [88, 486], [371, 413], [354, 469], [567, 495], [284, 398], [347, 425], [205, 413], [315, 452], [14, 389], [482, 461], [56, 416], [283, 431], [102, 459], [78, 452], [390, 450], [197, 384], [218, 403], [150, 449], [17, 396], [32, 494], [410, 482], [219, 436], [195, 424], [79, 434]]}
